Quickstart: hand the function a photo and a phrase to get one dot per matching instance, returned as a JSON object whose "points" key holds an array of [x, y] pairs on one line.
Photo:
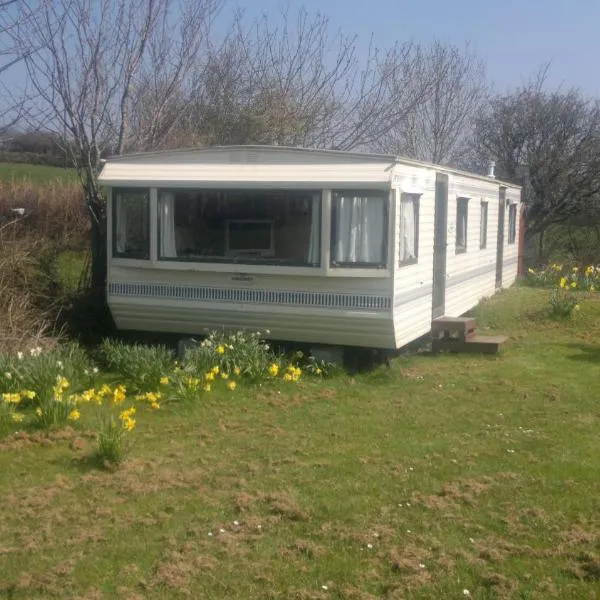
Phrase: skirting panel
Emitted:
{"points": [[300, 298]]}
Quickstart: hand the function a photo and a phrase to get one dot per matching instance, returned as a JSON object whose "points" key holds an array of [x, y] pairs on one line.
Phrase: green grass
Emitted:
{"points": [[439, 475], [35, 173], [71, 266]]}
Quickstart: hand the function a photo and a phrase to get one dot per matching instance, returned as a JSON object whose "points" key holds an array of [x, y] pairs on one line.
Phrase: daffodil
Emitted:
{"points": [[220, 349], [563, 282], [74, 415], [224, 375], [18, 417], [30, 394], [9, 398], [128, 424], [231, 385], [206, 387], [273, 370], [38, 411], [236, 370], [164, 381], [210, 376]]}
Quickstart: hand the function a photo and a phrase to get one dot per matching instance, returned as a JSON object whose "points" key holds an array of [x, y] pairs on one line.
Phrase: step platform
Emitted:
{"points": [[458, 334]]}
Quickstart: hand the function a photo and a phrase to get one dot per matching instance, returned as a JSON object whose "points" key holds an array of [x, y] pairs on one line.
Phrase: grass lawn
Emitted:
{"points": [[35, 173], [442, 477]]}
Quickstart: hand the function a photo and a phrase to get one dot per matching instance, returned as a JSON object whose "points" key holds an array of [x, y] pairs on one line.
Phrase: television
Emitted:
{"points": [[249, 237]]}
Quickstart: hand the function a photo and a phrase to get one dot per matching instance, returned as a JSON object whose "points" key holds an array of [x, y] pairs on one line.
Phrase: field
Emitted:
{"points": [[440, 477], [35, 173]]}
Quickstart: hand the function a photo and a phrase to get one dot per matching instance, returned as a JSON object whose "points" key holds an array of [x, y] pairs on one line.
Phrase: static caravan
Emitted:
{"points": [[317, 246]]}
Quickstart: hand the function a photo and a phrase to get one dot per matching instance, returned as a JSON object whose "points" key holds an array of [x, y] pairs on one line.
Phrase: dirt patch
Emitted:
{"points": [[308, 548], [454, 494], [177, 567], [501, 586], [285, 505]]}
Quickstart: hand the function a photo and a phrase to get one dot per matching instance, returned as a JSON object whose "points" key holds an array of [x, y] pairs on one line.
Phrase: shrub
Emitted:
{"points": [[563, 298], [141, 366], [57, 408], [113, 428], [243, 353]]}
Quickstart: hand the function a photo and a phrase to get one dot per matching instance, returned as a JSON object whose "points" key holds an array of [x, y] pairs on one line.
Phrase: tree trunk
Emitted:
{"points": [[541, 247], [99, 258]]}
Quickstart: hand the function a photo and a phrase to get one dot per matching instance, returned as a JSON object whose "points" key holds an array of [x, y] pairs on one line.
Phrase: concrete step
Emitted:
{"points": [[476, 344], [460, 328]]}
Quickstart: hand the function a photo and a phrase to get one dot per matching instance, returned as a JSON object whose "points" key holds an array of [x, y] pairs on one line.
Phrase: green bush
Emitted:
{"points": [[140, 366]]}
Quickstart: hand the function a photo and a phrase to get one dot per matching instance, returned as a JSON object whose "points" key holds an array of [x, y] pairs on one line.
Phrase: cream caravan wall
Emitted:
{"points": [[471, 275], [239, 167], [413, 283], [511, 251]]}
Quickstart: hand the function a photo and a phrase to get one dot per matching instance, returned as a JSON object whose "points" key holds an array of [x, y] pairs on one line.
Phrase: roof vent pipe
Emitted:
{"points": [[491, 167]]}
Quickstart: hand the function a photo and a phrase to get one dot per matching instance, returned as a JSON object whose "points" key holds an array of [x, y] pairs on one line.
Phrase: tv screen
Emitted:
{"points": [[249, 237]]}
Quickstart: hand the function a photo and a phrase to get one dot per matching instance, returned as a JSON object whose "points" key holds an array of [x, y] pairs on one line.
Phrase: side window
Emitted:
{"points": [[462, 219], [409, 229], [359, 229], [131, 216], [483, 223], [512, 223]]}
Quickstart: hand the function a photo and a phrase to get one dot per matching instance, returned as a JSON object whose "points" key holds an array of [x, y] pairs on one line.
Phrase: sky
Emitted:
{"points": [[514, 37]]}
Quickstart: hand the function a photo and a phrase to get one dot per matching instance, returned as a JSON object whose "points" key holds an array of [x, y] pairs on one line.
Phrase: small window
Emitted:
{"points": [[512, 223], [462, 213], [483, 222], [358, 229], [131, 216], [409, 229]]}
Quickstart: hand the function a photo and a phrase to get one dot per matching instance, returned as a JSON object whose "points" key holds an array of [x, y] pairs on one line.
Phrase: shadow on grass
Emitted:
{"points": [[586, 353]]}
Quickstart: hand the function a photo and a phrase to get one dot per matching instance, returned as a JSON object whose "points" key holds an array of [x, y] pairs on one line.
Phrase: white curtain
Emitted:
{"points": [[483, 225], [461, 223], [121, 223], [168, 247], [408, 223], [360, 230], [314, 246]]}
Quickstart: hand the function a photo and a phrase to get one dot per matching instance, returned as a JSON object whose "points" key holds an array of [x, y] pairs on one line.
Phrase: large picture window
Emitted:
{"points": [[131, 216], [409, 228], [512, 223], [358, 229], [247, 227], [462, 221]]}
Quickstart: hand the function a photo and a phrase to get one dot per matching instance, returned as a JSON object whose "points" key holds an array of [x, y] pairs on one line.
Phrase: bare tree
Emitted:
{"points": [[550, 142], [438, 127], [292, 82], [85, 59]]}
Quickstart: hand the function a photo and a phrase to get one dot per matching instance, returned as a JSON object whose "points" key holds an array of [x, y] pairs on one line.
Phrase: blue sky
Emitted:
{"points": [[514, 37]]}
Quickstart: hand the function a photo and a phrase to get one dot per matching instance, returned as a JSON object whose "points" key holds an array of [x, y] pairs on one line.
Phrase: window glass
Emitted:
{"points": [[240, 226], [409, 228], [462, 217], [358, 229], [483, 221], [131, 216], [512, 223]]}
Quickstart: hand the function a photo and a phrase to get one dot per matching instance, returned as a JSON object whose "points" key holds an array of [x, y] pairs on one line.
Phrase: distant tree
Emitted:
{"points": [[439, 127], [85, 60], [549, 141]]}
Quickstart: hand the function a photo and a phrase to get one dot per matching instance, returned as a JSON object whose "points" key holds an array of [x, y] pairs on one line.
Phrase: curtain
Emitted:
{"points": [[461, 224], [314, 246], [483, 225], [408, 223], [121, 224], [359, 227], [168, 247]]}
